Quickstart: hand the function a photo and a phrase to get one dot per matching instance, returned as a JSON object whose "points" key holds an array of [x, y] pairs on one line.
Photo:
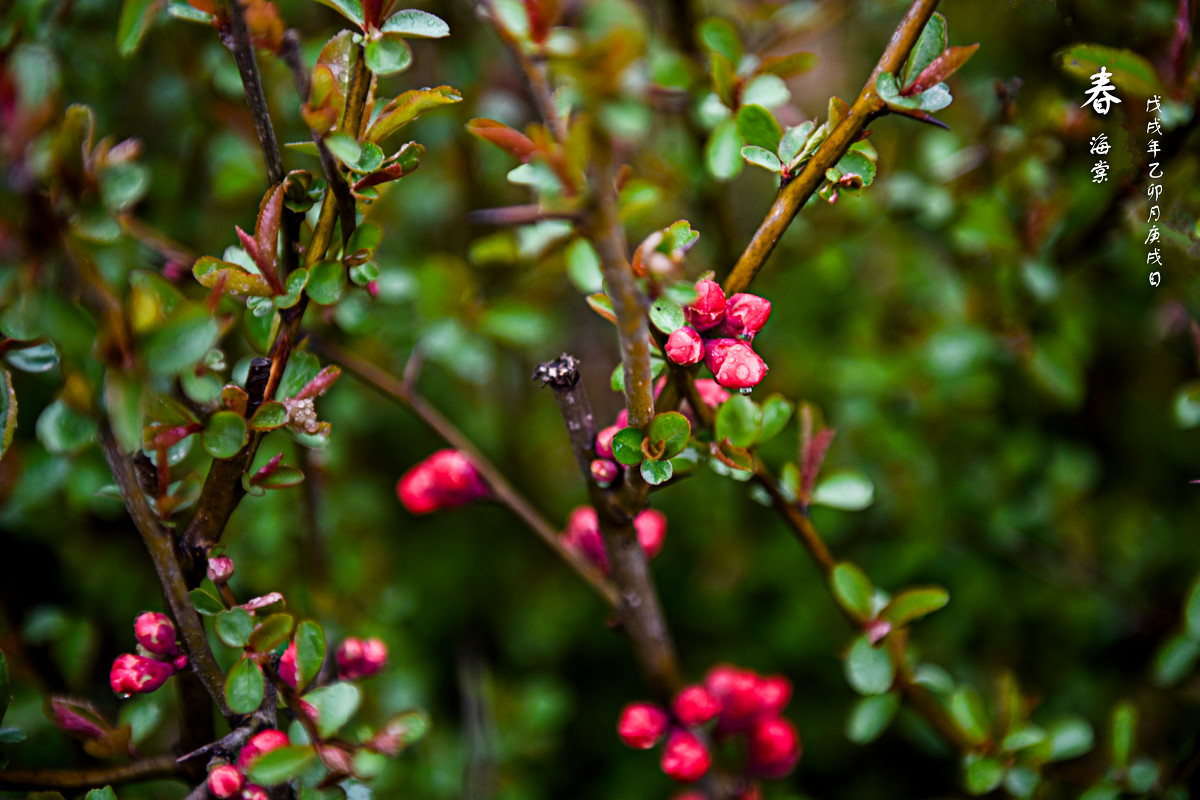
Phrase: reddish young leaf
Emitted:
{"points": [[812, 457], [389, 173], [542, 15], [942, 67], [266, 235], [507, 139]]}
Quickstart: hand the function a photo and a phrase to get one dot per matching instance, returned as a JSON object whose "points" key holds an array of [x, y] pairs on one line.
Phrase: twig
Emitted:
{"points": [[795, 194], [404, 394], [237, 38], [517, 215], [90, 777], [535, 72]]}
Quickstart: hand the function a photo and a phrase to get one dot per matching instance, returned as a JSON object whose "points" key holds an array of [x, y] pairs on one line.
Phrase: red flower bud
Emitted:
{"points": [[220, 569], [156, 633], [622, 420], [583, 536], [709, 308], [745, 315], [225, 781], [336, 759], [77, 718], [711, 392], [685, 758], [604, 441], [695, 705], [444, 480], [254, 792], [685, 346], [734, 364], [287, 666], [642, 725], [735, 689], [361, 658], [604, 472], [260, 744], [651, 526], [133, 674], [179, 662], [876, 629], [772, 694], [774, 747]]}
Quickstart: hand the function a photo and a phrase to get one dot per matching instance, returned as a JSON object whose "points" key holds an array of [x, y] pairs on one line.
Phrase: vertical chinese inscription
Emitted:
{"points": [[1154, 190]]}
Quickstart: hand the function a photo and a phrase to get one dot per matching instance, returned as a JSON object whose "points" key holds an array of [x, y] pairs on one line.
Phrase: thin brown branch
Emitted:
{"points": [[517, 215], [90, 777], [798, 521], [796, 193], [406, 395], [536, 75], [237, 38]]}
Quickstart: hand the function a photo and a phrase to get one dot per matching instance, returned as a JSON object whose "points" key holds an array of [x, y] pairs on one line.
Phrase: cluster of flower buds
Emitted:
{"points": [[356, 659], [446, 479], [719, 333], [229, 780], [583, 535], [731, 702], [157, 659]]}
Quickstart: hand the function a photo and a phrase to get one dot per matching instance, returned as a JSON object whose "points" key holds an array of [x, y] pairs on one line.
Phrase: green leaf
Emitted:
{"points": [[271, 632], [852, 589], [5, 686], [776, 411], [8, 411], [60, 428], [1191, 610], [363, 274], [1124, 734], [759, 127], [205, 603], [344, 147], [868, 669], [767, 90], [41, 358], [1070, 737], [739, 420], [1102, 791], [388, 54], [281, 765], [244, 686], [889, 92], [350, 9], [627, 446], [407, 107], [181, 343], [234, 627], [583, 268], [719, 36], [135, 19], [1023, 737], [1175, 660], [870, 717], [237, 279], [284, 476], [106, 793], [678, 238], [1021, 781], [179, 9], [369, 158], [789, 65], [224, 434], [12, 735], [122, 185], [762, 158], [669, 432], [913, 604], [269, 416], [966, 706], [935, 98], [123, 401], [296, 282], [310, 652], [981, 775], [855, 163], [933, 40], [847, 490], [793, 142], [656, 472], [416, 23], [723, 153], [1131, 72], [335, 705], [667, 315], [361, 247]]}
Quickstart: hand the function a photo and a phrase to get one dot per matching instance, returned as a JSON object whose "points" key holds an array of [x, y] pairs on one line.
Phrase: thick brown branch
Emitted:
{"points": [[90, 777]]}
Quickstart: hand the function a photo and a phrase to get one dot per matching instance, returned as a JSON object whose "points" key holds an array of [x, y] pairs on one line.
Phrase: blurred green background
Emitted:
{"points": [[977, 325]]}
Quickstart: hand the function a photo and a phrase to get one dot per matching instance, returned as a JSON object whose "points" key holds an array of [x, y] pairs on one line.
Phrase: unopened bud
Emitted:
{"points": [[774, 747], [361, 658], [745, 315], [734, 364], [156, 633], [253, 791], [685, 347], [709, 308], [446, 479], [642, 725], [604, 441], [685, 758], [604, 472], [220, 569], [225, 781], [287, 666], [260, 744], [695, 705], [651, 527], [134, 674]]}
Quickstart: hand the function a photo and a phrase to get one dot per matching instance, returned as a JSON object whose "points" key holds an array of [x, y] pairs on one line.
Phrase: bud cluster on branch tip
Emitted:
{"points": [[220, 569], [157, 659], [229, 781], [361, 658], [446, 479], [731, 702], [730, 326], [583, 535]]}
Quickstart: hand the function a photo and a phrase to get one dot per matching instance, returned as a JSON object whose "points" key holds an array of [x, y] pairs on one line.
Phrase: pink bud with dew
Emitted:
{"points": [[695, 705], [711, 392], [772, 693], [685, 347], [220, 569], [225, 781], [134, 674], [583, 536], [604, 441], [446, 479], [254, 792], [745, 315], [651, 527], [361, 658], [642, 725], [604, 472], [287, 666], [734, 364], [709, 308], [260, 744], [774, 747], [685, 758], [156, 633]]}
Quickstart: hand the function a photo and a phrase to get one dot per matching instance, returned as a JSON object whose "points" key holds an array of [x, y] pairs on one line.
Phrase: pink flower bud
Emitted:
{"points": [[622, 420], [709, 308], [876, 629], [685, 758], [156, 633], [444, 480], [179, 662], [583, 536], [685, 346], [751, 792], [711, 392], [133, 674], [336, 759], [735, 689], [310, 710], [695, 705], [772, 694], [734, 363], [361, 658], [260, 744], [604, 441], [651, 526], [225, 781], [77, 718], [745, 315], [253, 791], [287, 666], [604, 472], [642, 725], [774, 747], [220, 569]]}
